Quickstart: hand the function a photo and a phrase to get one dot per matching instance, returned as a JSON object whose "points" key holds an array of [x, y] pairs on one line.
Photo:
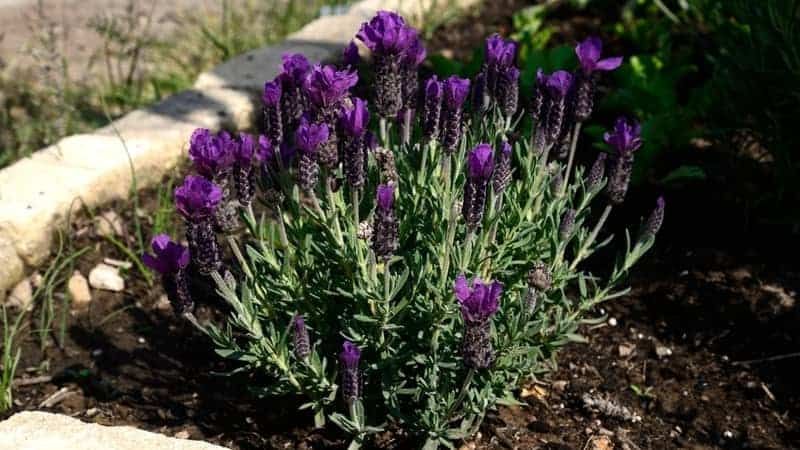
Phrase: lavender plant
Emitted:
{"points": [[416, 279]]}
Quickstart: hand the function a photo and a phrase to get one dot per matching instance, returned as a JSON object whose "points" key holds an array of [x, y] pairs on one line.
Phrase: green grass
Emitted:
{"points": [[9, 359]]}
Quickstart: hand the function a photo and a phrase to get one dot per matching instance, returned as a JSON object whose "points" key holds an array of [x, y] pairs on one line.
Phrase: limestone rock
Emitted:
{"points": [[46, 431], [108, 224], [78, 289], [107, 278], [21, 296]]}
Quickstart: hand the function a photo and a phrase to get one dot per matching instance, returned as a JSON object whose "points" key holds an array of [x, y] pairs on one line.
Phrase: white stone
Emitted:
{"points": [[78, 289], [107, 278], [21, 296], [108, 224], [46, 431], [12, 267]]}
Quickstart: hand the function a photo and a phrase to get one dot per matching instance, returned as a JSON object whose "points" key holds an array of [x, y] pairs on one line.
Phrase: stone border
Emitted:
{"points": [[38, 193]]}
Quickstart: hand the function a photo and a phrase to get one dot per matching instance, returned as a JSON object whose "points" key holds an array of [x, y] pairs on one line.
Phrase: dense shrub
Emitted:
{"points": [[416, 277]]}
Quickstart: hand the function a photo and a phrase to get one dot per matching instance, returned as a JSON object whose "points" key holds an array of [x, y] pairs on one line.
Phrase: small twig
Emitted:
{"points": [[769, 359], [31, 381], [56, 398]]}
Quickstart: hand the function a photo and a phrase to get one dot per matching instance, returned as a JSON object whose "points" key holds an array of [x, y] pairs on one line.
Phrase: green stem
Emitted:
{"points": [[463, 392], [592, 236], [468, 243], [448, 244], [572, 147], [332, 203]]}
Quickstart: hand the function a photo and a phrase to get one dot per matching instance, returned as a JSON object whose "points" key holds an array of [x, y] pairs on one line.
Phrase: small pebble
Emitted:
{"points": [[141, 340], [727, 434], [612, 321]]}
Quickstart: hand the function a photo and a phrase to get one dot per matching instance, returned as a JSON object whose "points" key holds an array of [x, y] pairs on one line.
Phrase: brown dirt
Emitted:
{"points": [[716, 292]]}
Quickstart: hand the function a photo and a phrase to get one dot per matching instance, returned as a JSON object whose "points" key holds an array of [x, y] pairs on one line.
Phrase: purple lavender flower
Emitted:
{"points": [[480, 98], [479, 301], [273, 121], [326, 87], [354, 123], [271, 162], [507, 91], [397, 51], [501, 177], [625, 138], [168, 256], [243, 175], [539, 280], [211, 154], [567, 225], [197, 200], [432, 108], [558, 86], [455, 92], [350, 55], [293, 102], [349, 359], [655, 220], [501, 75], [307, 139], [588, 53], [302, 346], [597, 171], [384, 224], [480, 164], [171, 259]]}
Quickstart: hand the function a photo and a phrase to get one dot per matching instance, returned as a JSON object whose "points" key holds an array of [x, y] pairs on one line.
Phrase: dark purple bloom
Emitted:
{"points": [[302, 345], [557, 86], [567, 224], [350, 55], [243, 174], [211, 154], [480, 164], [597, 171], [501, 177], [626, 139], [168, 256], [309, 136], [265, 153], [349, 359], [655, 220], [295, 69], [384, 224], [354, 120], [559, 83], [500, 52], [271, 96], [500, 76], [589, 52], [507, 91], [171, 259], [431, 111], [397, 52], [386, 34], [273, 115], [325, 86], [479, 301], [307, 139], [455, 92], [197, 198]]}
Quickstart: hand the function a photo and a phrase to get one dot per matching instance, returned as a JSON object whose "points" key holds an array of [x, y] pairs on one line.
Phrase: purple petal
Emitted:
{"points": [[461, 288], [589, 52], [609, 63]]}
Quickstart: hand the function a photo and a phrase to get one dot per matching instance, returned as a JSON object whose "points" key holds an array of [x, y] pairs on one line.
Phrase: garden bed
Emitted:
{"points": [[671, 353]]}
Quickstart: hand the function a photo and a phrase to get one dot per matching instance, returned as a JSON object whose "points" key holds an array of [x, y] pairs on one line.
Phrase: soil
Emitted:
{"points": [[701, 354]]}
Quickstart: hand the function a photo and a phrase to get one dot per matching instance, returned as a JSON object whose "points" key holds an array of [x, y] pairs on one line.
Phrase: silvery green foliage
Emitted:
{"points": [[307, 258]]}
